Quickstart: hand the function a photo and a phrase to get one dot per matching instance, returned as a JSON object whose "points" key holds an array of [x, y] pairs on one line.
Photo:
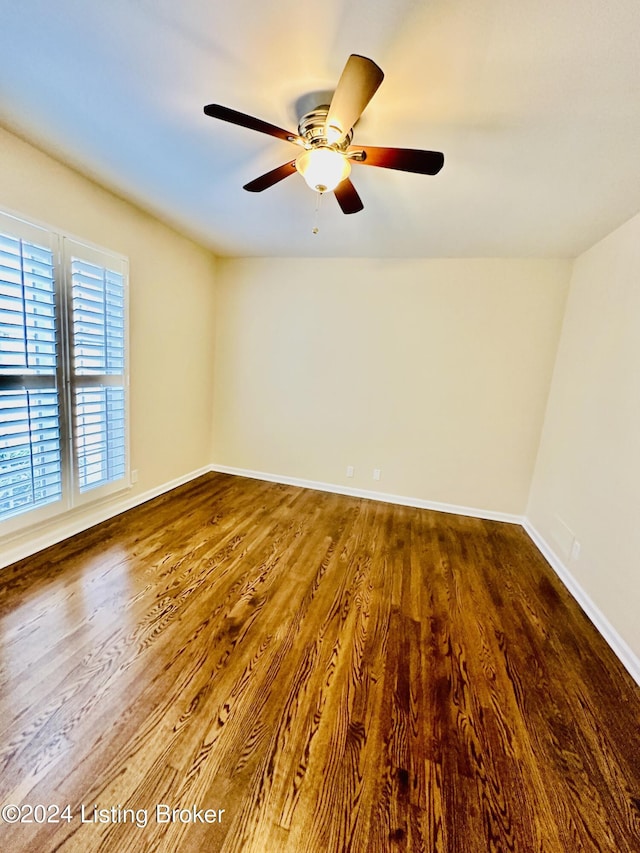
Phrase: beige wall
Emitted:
{"points": [[587, 477], [434, 371], [171, 307]]}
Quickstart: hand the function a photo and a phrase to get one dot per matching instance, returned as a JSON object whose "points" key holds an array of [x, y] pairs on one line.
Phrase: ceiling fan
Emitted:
{"points": [[325, 135]]}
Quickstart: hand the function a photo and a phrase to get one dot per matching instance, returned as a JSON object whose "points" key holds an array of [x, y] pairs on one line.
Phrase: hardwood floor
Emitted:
{"points": [[335, 674]]}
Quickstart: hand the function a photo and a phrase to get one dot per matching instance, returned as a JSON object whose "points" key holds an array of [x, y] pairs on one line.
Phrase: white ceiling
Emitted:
{"points": [[535, 104]]}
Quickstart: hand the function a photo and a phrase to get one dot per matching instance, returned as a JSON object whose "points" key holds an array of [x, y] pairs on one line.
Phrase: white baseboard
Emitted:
{"points": [[27, 542], [623, 652], [24, 544], [620, 648], [401, 500]]}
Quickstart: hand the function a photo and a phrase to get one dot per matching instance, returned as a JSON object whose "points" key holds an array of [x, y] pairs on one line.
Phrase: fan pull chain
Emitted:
{"points": [[316, 217]]}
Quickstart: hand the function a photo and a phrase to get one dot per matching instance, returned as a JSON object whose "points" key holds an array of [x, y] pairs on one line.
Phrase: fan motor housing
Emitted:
{"points": [[312, 129]]}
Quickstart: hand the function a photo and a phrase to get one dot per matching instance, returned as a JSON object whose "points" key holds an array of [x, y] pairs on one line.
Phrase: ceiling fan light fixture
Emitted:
{"points": [[323, 168], [326, 134]]}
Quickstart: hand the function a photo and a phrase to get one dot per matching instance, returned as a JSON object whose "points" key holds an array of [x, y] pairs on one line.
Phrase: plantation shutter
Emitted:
{"points": [[31, 450], [63, 373], [97, 287]]}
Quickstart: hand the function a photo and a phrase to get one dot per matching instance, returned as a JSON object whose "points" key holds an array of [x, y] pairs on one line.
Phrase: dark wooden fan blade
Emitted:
{"points": [[348, 198], [233, 116], [357, 85], [404, 159], [270, 178]]}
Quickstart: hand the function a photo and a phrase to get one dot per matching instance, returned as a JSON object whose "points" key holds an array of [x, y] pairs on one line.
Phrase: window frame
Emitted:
{"points": [[61, 245]]}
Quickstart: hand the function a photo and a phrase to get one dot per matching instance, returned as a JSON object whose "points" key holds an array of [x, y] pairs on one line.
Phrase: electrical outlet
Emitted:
{"points": [[349, 470], [134, 475], [376, 473], [575, 550]]}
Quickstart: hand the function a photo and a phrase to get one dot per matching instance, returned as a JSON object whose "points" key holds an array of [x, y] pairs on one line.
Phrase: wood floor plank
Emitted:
{"points": [[323, 673]]}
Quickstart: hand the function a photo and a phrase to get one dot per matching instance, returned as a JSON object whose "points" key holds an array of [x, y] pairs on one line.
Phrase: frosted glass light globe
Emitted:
{"points": [[323, 168]]}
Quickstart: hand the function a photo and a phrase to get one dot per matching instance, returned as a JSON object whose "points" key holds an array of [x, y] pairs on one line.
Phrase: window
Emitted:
{"points": [[63, 373]]}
